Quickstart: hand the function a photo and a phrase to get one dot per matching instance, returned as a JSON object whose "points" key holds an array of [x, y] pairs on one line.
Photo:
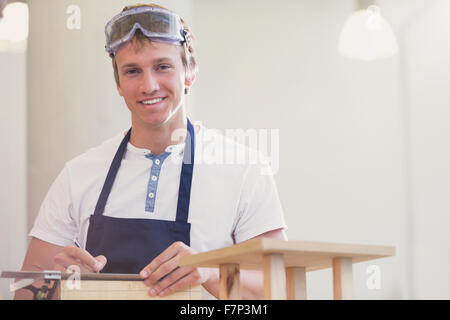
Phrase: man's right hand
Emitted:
{"points": [[71, 256], [42, 255]]}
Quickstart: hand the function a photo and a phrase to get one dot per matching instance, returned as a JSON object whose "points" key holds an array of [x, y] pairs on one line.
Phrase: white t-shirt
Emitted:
{"points": [[231, 200]]}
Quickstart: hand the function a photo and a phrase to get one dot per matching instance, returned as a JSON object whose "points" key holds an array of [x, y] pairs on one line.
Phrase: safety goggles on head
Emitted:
{"points": [[157, 24]]}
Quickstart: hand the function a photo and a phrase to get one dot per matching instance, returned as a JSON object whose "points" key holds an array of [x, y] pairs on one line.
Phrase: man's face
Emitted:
{"points": [[152, 81]]}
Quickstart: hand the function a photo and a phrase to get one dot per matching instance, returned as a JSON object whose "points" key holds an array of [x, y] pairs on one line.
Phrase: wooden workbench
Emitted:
{"points": [[98, 286], [285, 264]]}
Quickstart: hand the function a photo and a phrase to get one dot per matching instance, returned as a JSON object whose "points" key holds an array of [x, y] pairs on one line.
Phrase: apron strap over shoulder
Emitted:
{"points": [[113, 169], [184, 193]]}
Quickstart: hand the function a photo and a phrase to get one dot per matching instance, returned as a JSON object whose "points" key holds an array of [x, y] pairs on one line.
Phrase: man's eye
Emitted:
{"points": [[131, 71], [164, 67]]}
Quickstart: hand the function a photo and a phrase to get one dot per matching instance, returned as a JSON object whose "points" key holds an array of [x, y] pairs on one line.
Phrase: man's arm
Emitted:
{"points": [[39, 257], [42, 255]]}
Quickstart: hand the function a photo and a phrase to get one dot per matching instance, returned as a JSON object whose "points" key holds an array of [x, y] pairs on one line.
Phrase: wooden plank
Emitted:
{"points": [[343, 278], [104, 276], [274, 277], [311, 255], [229, 282], [296, 283], [119, 290]]}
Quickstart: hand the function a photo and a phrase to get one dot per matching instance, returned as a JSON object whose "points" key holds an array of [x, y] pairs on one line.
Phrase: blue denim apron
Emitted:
{"points": [[131, 244]]}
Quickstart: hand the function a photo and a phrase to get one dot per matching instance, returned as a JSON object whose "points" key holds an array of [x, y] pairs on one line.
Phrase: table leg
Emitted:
{"points": [[274, 277], [296, 283], [342, 278], [229, 282]]}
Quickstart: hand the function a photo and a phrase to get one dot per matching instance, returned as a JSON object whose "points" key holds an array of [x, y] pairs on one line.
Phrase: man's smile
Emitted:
{"points": [[152, 101]]}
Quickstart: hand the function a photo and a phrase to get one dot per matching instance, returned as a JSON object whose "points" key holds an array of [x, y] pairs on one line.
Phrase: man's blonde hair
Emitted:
{"points": [[187, 54]]}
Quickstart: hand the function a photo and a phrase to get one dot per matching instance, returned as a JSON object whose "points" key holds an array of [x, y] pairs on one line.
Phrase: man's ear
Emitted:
{"points": [[189, 80], [119, 90]]}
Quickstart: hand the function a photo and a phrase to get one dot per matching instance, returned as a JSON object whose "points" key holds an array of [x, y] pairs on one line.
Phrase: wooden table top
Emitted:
{"points": [[311, 255]]}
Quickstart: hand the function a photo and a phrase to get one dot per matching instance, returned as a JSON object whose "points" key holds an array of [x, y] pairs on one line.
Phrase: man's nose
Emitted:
{"points": [[149, 83]]}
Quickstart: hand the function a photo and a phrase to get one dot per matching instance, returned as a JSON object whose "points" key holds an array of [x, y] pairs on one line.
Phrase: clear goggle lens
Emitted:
{"points": [[155, 23]]}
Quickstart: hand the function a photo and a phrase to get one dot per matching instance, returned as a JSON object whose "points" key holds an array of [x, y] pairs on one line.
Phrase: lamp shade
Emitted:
{"points": [[366, 35], [14, 27]]}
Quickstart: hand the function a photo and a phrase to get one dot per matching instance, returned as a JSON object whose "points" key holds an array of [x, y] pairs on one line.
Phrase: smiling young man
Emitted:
{"points": [[142, 199], [152, 81]]}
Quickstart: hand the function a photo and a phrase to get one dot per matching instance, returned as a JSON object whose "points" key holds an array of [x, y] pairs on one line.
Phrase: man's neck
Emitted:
{"points": [[157, 139]]}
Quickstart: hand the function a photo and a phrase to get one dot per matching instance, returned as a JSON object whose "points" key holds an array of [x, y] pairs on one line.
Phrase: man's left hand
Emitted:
{"points": [[176, 278]]}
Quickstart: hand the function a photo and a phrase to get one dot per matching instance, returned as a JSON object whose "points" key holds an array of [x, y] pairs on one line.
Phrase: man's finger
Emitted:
{"points": [[64, 261], [163, 270], [170, 279], [102, 259], [180, 284], [85, 257], [165, 256]]}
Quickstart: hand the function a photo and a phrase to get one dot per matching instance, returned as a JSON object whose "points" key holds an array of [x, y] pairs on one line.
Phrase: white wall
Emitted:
{"points": [[427, 62], [340, 178], [12, 164], [363, 148]]}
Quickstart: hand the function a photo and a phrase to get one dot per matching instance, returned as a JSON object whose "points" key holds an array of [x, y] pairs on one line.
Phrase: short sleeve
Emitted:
{"points": [[260, 209], [55, 223]]}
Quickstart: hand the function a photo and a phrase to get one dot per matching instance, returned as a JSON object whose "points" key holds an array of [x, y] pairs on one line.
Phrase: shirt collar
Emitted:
{"points": [[176, 149]]}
